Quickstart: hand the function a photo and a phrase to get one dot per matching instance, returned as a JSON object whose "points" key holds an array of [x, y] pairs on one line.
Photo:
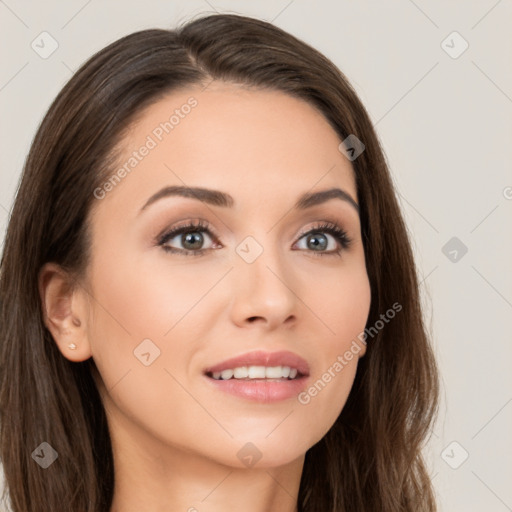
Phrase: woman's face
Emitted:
{"points": [[164, 314]]}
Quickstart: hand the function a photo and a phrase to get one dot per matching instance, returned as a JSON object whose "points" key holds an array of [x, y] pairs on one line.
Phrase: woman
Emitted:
{"points": [[208, 292]]}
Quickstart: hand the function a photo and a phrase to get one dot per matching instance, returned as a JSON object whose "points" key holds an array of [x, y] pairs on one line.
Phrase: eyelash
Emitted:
{"points": [[325, 227]]}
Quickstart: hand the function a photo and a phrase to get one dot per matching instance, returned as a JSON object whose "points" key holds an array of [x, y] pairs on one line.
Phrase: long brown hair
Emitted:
{"points": [[370, 460]]}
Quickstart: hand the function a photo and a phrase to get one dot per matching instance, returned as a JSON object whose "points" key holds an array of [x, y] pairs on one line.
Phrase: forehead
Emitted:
{"points": [[251, 143]]}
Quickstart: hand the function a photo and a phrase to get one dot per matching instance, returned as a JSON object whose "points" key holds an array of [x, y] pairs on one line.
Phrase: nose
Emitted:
{"points": [[263, 292]]}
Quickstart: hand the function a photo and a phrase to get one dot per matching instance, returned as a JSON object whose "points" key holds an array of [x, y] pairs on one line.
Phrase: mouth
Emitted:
{"points": [[257, 373], [260, 376]]}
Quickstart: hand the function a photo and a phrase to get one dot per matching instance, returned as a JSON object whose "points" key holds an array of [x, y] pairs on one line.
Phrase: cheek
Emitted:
{"points": [[343, 308], [148, 306], [141, 368], [148, 297], [341, 301]]}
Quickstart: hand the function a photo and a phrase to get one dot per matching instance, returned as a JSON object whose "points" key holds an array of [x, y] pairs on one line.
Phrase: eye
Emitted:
{"points": [[192, 242], [318, 242]]}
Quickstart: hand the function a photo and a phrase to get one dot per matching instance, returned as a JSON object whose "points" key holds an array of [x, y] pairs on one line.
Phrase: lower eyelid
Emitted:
{"points": [[343, 242]]}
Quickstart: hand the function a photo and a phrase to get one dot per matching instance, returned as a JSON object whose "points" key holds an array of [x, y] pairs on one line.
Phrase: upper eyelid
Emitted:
{"points": [[206, 226], [189, 225]]}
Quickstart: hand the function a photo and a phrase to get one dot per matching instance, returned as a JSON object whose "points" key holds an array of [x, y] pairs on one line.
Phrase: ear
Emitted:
{"points": [[65, 312]]}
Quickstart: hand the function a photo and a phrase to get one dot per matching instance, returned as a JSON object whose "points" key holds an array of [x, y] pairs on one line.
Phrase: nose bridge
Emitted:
{"points": [[262, 281]]}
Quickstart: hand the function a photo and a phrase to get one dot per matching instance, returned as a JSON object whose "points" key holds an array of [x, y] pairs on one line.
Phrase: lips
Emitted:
{"points": [[261, 358], [261, 390]]}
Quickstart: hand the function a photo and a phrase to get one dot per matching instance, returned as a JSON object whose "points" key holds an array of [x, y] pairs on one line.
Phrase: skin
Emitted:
{"points": [[175, 438]]}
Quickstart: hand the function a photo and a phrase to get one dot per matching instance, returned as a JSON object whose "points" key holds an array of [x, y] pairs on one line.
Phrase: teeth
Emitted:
{"points": [[273, 372], [226, 374], [241, 373], [257, 372]]}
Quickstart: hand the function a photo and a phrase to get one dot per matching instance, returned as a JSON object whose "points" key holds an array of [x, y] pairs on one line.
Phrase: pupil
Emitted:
{"points": [[193, 240], [315, 241]]}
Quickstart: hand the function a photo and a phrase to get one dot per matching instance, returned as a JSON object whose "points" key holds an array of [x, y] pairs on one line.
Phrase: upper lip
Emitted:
{"points": [[261, 358]]}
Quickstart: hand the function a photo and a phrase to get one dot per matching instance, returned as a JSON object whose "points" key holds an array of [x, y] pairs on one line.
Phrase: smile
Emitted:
{"points": [[256, 372]]}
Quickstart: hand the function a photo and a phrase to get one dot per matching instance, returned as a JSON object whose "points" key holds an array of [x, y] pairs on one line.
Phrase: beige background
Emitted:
{"points": [[446, 126]]}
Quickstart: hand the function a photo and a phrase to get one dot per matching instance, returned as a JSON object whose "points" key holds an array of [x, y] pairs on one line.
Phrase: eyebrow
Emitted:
{"points": [[218, 198]]}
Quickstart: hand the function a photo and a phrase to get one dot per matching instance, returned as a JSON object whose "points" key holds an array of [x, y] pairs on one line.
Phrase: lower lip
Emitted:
{"points": [[261, 390]]}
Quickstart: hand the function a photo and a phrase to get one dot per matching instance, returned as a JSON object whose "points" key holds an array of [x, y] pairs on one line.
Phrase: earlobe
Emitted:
{"points": [[64, 311]]}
